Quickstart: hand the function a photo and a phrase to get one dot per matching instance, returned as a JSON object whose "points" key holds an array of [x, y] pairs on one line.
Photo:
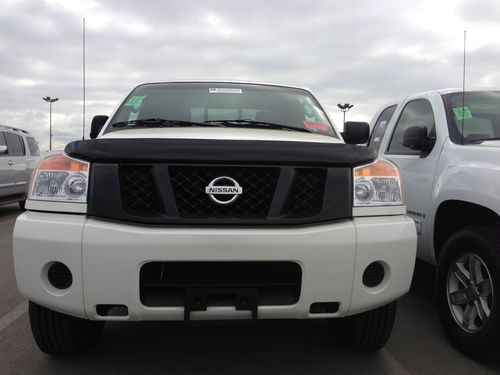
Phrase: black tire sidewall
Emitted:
{"points": [[59, 334], [483, 242], [367, 331]]}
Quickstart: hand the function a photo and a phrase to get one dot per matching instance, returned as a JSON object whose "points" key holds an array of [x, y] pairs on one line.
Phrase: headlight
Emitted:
{"points": [[377, 184], [60, 178]]}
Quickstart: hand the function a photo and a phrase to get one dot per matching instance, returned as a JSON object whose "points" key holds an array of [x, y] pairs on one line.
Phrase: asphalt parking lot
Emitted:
{"points": [[417, 345]]}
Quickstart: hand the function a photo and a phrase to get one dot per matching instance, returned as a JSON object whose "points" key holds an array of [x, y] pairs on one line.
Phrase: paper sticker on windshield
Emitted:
{"points": [[224, 90], [135, 101], [462, 113], [315, 126]]}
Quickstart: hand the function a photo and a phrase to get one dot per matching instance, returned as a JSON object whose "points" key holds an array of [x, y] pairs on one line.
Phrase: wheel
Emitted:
{"points": [[22, 204], [59, 334], [365, 332], [468, 290]]}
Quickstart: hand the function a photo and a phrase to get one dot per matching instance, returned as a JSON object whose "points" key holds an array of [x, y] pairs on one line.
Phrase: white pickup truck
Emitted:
{"points": [[447, 147], [214, 200]]}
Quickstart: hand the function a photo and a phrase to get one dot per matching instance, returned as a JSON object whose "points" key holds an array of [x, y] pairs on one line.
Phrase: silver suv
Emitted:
{"points": [[19, 154]]}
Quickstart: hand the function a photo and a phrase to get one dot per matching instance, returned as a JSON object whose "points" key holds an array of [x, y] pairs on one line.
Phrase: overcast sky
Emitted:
{"points": [[362, 52]]}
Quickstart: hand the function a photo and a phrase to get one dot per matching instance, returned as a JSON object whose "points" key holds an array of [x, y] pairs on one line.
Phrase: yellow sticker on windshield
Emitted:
{"points": [[135, 101], [462, 113]]}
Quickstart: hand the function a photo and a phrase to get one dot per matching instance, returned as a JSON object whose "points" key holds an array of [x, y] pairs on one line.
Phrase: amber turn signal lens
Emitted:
{"points": [[381, 168], [61, 162]]}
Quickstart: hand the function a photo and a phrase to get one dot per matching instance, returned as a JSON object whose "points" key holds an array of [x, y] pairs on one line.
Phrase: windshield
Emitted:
{"points": [[474, 118], [233, 105]]}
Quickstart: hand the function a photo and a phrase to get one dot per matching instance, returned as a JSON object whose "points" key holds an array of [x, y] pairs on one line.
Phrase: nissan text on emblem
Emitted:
{"points": [[223, 190]]}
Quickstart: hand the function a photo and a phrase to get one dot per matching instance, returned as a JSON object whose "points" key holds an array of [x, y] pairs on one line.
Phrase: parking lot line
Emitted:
{"points": [[7, 221], [13, 315], [392, 365]]}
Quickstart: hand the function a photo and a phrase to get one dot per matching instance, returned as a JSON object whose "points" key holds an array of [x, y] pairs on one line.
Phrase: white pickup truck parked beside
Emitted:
{"points": [[447, 146], [200, 201]]}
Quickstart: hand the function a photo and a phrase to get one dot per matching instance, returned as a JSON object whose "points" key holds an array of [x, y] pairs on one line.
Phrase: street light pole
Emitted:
{"points": [[345, 108], [50, 100]]}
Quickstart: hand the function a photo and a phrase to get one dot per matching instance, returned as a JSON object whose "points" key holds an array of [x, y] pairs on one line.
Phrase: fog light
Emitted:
{"points": [[59, 276], [373, 275]]}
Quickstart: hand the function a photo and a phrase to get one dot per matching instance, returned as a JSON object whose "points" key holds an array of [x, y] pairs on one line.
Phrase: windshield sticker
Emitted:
{"points": [[315, 125], [222, 90], [135, 101], [462, 113]]}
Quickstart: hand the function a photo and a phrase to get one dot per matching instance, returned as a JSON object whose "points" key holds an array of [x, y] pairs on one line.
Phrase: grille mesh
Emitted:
{"points": [[189, 183], [166, 283], [140, 194], [306, 196], [138, 190]]}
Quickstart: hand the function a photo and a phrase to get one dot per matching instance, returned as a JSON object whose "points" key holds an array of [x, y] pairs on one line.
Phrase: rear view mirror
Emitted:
{"points": [[416, 138], [356, 132], [97, 124], [3, 150]]}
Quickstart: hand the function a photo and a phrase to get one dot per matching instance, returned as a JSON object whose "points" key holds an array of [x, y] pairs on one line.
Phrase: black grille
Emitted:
{"points": [[189, 183], [306, 196], [175, 194], [139, 194], [166, 283]]}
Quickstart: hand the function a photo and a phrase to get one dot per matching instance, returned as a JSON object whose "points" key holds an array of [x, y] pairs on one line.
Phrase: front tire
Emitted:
{"points": [[59, 334], [468, 290], [365, 332]]}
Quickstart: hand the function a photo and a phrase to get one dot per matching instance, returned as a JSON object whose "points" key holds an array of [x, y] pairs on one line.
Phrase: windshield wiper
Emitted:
{"points": [[159, 123], [479, 140], [256, 124]]}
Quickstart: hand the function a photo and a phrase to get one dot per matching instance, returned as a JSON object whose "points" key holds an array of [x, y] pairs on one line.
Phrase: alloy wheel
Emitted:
{"points": [[470, 292]]}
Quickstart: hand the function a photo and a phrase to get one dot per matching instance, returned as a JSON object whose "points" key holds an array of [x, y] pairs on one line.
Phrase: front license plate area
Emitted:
{"points": [[200, 299]]}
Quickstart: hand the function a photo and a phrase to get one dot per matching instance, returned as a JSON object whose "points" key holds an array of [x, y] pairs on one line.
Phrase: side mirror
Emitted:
{"points": [[3, 150], [416, 138], [96, 126], [356, 132]]}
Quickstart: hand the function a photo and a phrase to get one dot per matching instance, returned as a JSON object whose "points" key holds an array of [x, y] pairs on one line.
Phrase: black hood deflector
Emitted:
{"points": [[210, 151]]}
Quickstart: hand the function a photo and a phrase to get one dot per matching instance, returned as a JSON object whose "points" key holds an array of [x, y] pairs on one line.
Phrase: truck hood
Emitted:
{"points": [[220, 146], [495, 144], [219, 133]]}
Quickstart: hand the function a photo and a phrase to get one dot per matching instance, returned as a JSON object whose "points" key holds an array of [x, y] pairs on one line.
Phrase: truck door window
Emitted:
{"points": [[33, 146], [473, 118], [15, 144], [380, 127], [416, 113]]}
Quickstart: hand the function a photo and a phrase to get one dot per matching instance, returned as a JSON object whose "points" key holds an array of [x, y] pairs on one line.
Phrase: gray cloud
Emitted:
{"points": [[364, 52]]}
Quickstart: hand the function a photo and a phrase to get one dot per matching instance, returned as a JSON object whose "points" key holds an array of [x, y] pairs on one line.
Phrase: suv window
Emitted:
{"points": [[380, 127], [33, 146], [15, 144], [2, 142], [416, 113]]}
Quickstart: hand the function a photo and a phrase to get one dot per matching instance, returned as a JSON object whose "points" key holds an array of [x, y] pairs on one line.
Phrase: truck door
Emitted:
{"points": [[417, 167]]}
